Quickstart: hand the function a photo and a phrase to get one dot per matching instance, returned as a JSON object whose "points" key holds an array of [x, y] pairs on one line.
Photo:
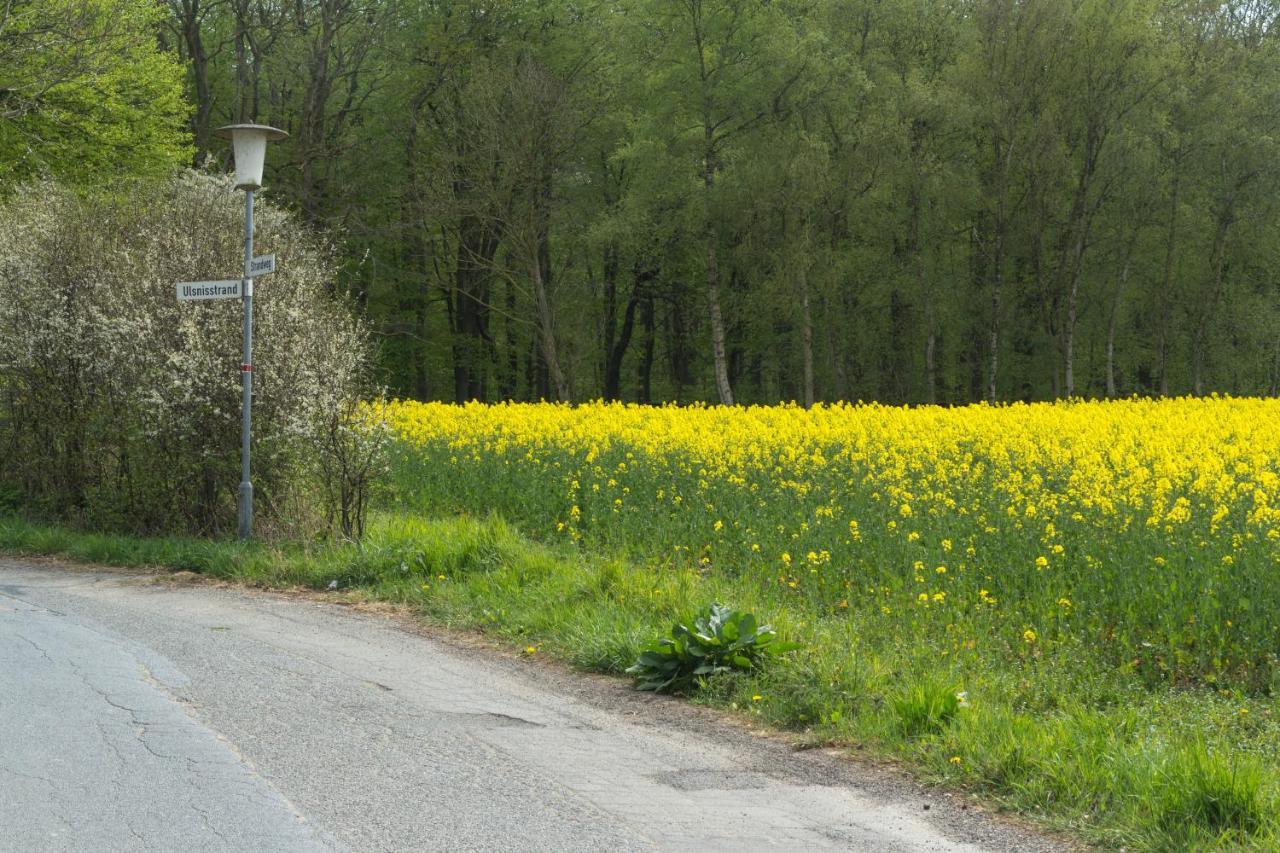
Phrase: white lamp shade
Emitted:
{"points": [[249, 142]]}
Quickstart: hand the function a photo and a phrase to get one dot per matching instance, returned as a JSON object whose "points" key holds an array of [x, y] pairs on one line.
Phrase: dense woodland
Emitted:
{"points": [[728, 200]]}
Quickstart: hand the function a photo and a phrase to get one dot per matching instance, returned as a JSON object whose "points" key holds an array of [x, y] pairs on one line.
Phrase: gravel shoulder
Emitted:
{"points": [[139, 711]]}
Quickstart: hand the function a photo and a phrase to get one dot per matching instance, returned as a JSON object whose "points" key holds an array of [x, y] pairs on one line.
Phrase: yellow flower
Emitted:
{"points": [[1028, 636], [1041, 562], [955, 759], [756, 698]]}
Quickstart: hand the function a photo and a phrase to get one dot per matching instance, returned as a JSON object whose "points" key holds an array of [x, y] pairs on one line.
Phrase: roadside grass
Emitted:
{"points": [[1090, 750]]}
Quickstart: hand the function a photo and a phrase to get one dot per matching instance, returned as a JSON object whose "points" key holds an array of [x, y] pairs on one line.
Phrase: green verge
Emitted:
{"points": [[1103, 757]]}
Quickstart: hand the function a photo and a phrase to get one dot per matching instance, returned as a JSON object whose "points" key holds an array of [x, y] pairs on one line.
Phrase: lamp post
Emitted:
{"points": [[249, 141]]}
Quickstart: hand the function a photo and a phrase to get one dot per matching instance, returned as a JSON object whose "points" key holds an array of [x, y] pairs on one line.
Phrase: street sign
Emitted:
{"points": [[263, 265], [189, 291]]}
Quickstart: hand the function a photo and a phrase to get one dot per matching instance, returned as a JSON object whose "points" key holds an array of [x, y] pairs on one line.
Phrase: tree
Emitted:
{"points": [[722, 69], [87, 95], [753, 200]]}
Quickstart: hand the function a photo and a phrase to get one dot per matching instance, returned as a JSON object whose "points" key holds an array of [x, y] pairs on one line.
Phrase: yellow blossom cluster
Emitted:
{"points": [[1140, 523]]}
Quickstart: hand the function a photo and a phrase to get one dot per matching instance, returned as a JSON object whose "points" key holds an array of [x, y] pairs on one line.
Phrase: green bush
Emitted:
{"points": [[721, 640]]}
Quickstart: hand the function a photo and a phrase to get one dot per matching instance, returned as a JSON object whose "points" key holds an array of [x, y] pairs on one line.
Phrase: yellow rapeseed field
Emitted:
{"points": [[1148, 531]]}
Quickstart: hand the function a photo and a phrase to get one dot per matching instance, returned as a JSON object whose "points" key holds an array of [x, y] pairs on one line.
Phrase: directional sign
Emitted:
{"points": [[189, 291], [263, 265]]}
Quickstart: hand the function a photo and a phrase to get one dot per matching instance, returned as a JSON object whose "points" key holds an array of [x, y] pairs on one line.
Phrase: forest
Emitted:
{"points": [[733, 201]]}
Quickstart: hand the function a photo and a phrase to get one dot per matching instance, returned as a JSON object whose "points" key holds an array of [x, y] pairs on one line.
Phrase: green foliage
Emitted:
{"points": [[926, 708], [11, 498], [721, 640], [88, 96], [1203, 798], [894, 200]]}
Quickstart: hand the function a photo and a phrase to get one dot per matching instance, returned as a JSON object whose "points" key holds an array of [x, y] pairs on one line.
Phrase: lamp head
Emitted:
{"points": [[250, 144]]}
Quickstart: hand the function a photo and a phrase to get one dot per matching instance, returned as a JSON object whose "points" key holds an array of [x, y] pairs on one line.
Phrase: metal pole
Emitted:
{"points": [[246, 374]]}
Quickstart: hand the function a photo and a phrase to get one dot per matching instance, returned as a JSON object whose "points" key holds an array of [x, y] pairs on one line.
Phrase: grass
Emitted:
{"points": [[1095, 751]]}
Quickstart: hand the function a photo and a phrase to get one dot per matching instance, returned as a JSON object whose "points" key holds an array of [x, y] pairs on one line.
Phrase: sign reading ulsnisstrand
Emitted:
{"points": [[189, 291]]}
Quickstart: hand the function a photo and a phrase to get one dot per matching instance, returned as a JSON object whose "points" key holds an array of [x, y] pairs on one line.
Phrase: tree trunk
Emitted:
{"points": [[1165, 300], [806, 335], [1113, 321], [1069, 329], [922, 283], [617, 350], [835, 362], [546, 331], [242, 60], [993, 334], [1208, 304], [509, 382], [609, 328], [1001, 155], [723, 387], [717, 320], [477, 244], [645, 372], [1082, 218], [193, 39]]}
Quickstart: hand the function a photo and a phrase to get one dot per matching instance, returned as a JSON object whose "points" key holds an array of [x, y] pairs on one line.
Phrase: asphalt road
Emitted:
{"points": [[137, 715]]}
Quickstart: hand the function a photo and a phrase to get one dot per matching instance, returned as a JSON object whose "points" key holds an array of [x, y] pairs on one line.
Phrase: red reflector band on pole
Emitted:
{"points": [[246, 368]]}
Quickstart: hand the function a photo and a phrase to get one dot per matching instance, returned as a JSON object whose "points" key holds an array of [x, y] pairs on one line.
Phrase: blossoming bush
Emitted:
{"points": [[119, 405]]}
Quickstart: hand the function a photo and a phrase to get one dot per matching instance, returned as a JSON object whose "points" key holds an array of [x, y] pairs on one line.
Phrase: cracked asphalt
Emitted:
{"points": [[137, 715]]}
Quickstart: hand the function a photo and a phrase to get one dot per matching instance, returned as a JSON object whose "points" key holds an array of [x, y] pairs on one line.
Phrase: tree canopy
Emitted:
{"points": [[734, 200], [86, 92]]}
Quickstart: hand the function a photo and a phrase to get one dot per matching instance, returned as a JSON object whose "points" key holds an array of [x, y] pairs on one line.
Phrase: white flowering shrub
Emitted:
{"points": [[119, 405]]}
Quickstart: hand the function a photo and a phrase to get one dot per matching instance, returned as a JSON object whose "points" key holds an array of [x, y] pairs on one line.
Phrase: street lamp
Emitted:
{"points": [[249, 141]]}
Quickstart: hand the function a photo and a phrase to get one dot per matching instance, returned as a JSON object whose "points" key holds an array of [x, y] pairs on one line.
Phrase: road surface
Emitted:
{"points": [[137, 714]]}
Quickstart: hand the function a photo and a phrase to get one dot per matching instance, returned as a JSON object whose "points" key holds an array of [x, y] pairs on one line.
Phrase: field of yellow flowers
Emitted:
{"points": [[1147, 532]]}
